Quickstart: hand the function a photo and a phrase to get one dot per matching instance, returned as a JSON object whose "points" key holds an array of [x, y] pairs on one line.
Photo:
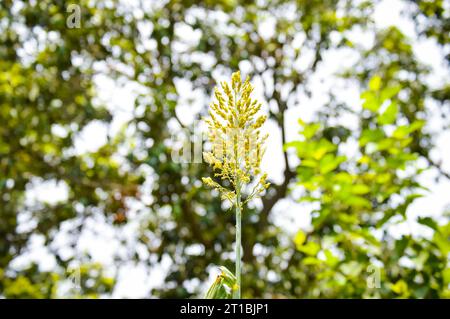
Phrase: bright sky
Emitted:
{"points": [[100, 240]]}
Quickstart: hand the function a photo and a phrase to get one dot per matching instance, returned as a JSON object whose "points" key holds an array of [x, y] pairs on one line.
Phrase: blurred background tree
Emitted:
{"points": [[49, 95]]}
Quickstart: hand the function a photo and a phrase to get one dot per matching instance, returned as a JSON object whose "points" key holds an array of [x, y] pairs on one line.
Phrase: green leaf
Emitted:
{"points": [[375, 83], [358, 201], [311, 248], [389, 115], [330, 259], [311, 261], [428, 221], [352, 268], [400, 287], [330, 162], [401, 132], [446, 276], [293, 144], [389, 92], [360, 189], [400, 246], [371, 135], [309, 130], [223, 287], [371, 102], [299, 239], [309, 163], [404, 130]]}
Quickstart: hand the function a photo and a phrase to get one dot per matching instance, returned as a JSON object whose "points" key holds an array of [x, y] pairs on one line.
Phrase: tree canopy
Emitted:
{"points": [[50, 83]]}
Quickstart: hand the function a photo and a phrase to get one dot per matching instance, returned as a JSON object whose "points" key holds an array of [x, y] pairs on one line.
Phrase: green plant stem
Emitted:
{"points": [[238, 241]]}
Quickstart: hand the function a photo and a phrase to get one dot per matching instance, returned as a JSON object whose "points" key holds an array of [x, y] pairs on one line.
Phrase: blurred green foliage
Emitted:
{"points": [[358, 196], [46, 90]]}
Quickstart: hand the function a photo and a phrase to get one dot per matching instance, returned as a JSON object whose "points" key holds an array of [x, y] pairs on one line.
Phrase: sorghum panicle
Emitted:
{"points": [[237, 144]]}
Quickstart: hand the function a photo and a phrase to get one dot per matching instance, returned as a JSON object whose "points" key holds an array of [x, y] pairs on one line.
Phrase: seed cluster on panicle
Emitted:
{"points": [[237, 144]]}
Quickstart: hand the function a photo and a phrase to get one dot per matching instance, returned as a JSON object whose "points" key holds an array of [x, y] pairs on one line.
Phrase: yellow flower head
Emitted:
{"points": [[237, 144]]}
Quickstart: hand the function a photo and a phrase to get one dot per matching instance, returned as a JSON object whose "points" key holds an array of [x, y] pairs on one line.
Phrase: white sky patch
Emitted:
{"points": [[187, 35], [273, 160], [292, 216], [91, 138], [119, 99], [37, 253], [99, 239], [435, 201], [266, 27], [133, 282], [388, 13], [190, 102], [50, 192], [428, 53], [136, 280], [441, 151]]}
